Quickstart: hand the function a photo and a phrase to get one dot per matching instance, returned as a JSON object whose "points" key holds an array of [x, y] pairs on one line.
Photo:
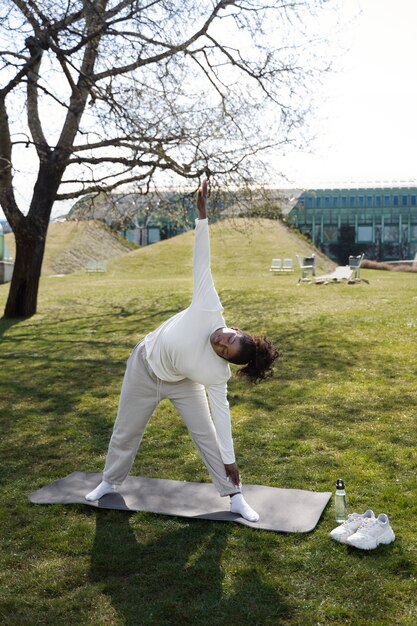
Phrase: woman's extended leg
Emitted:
{"points": [[190, 400], [138, 400]]}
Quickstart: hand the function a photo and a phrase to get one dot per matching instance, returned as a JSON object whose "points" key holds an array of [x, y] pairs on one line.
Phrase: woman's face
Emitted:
{"points": [[226, 342]]}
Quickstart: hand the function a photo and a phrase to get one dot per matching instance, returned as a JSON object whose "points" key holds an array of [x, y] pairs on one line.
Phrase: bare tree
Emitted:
{"points": [[111, 93]]}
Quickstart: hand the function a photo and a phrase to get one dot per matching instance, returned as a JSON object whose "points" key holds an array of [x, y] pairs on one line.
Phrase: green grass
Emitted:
{"points": [[342, 403]]}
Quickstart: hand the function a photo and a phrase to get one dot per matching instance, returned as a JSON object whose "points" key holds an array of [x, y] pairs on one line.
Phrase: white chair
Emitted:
{"points": [[355, 265], [306, 266]]}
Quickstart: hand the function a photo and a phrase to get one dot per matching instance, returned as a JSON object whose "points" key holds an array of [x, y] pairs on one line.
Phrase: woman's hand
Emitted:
{"points": [[232, 472], [202, 200]]}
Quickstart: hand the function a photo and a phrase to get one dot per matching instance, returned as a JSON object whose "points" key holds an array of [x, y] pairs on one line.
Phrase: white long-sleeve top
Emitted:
{"points": [[180, 348]]}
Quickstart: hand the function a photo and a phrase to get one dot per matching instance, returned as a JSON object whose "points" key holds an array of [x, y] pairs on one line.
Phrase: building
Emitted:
{"points": [[141, 219], [6, 262], [379, 221]]}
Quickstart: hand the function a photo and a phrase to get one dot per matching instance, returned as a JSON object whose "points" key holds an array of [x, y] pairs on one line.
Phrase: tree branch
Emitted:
{"points": [[7, 197], [172, 49], [23, 6], [80, 93], [34, 121], [105, 188]]}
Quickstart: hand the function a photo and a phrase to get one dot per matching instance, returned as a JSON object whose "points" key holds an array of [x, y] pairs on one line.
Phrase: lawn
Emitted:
{"points": [[342, 403]]}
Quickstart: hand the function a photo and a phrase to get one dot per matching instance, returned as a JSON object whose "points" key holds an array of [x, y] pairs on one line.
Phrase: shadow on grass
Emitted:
{"points": [[177, 578], [6, 324], [130, 321]]}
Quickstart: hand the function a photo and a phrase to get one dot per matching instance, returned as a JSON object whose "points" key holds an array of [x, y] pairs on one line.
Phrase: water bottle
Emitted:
{"points": [[340, 504]]}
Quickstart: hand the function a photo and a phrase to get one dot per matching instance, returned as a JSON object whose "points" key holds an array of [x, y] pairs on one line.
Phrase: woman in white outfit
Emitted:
{"points": [[187, 360]]}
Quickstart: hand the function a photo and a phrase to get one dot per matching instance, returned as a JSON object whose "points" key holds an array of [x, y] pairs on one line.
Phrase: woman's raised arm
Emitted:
{"points": [[202, 200]]}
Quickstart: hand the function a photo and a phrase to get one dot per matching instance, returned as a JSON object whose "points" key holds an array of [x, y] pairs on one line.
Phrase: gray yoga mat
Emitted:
{"points": [[283, 510]]}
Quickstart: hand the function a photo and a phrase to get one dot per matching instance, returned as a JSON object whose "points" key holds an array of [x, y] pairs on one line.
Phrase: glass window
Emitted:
{"points": [[387, 200], [413, 232], [344, 202], [404, 200], [309, 202], [335, 202], [301, 201], [318, 202], [413, 200], [395, 200], [368, 201], [327, 202], [391, 233], [154, 235], [330, 232], [378, 201], [360, 201], [364, 233], [352, 201]]}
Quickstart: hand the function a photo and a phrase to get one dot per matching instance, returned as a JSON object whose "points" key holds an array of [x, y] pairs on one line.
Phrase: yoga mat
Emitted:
{"points": [[280, 510]]}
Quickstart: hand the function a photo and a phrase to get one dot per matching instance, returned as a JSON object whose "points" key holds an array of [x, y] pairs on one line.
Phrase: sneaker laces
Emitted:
{"points": [[367, 521], [352, 517]]}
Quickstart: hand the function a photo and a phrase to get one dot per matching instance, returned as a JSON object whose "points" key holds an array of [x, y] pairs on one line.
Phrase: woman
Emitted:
{"points": [[185, 360]]}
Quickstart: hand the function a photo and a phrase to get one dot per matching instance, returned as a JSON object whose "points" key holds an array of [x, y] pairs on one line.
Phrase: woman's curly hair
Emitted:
{"points": [[257, 354]]}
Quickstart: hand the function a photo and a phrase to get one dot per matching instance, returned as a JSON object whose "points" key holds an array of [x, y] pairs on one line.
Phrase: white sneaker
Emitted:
{"points": [[350, 526], [372, 533]]}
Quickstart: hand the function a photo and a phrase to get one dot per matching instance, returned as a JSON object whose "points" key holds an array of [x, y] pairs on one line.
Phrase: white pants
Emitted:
{"points": [[141, 393]]}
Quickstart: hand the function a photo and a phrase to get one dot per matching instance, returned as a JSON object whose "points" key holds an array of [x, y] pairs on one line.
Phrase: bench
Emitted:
{"points": [[281, 266], [96, 266]]}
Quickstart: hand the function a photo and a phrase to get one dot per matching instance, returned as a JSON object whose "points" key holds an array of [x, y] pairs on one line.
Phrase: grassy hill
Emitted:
{"points": [[70, 245], [239, 247], [341, 404], [242, 243]]}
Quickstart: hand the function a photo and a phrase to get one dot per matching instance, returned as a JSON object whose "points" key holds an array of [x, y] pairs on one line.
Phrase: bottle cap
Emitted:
{"points": [[340, 484]]}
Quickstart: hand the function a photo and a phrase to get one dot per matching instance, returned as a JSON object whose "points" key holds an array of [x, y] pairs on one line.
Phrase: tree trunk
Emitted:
{"points": [[23, 294]]}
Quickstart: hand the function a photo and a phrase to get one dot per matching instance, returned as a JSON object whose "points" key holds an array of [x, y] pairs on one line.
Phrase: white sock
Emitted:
{"points": [[100, 491], [239, 505]]}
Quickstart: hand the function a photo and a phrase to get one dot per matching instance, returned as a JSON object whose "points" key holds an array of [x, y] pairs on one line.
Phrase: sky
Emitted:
{"points": [[366, 122], [366, 116]]}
